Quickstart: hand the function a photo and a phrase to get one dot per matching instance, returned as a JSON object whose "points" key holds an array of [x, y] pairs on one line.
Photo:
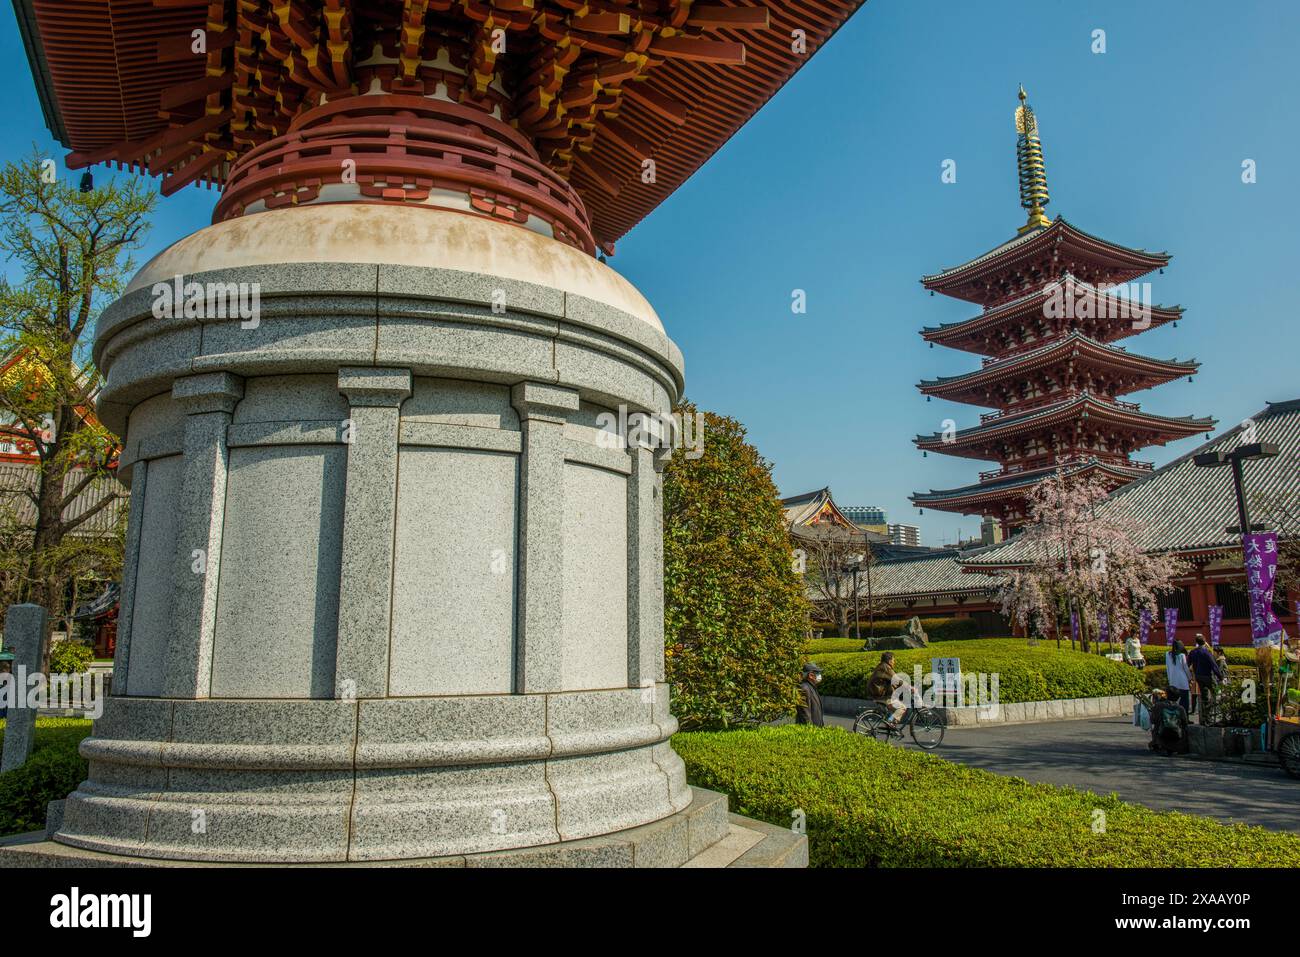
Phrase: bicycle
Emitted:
{"points": [[925, 725]]}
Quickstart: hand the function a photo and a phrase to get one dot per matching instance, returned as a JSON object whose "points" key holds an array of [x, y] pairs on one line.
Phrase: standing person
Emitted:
{"points": [[1208, 675], [1180, 678], [1133, 652], [809, 710]]}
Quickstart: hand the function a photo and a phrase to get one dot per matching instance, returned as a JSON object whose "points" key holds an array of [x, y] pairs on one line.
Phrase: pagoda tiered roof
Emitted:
{"points": [[1038, 256], [1000, 489], [987, 440], [1004, 327], [994, 384], [1055, 299]]}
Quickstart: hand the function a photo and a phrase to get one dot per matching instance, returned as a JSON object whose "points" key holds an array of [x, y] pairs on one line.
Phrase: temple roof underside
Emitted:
{"points": [[1037, 256], [988, 440], [600, 90], [1072, 357]]}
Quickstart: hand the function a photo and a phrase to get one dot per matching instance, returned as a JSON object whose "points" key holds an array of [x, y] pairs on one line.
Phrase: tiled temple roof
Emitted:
{"points": [[1186, 508]]}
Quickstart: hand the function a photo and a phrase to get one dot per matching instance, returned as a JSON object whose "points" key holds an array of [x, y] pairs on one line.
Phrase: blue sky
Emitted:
{"points": [[834, 188]]}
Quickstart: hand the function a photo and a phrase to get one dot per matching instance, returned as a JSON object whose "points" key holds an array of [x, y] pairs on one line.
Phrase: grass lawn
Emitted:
{"points": [[52, 773], [866, 804]]}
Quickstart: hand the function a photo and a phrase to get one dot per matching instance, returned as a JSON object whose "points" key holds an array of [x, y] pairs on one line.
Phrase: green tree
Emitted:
{"points": [[70, 252], [734, 606]]}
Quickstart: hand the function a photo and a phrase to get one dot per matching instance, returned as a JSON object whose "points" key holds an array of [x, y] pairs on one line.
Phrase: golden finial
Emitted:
{"points": [[1029, 161]]}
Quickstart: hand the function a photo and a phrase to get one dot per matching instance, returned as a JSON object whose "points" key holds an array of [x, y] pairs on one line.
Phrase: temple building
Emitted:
{"points": [[1051, 371]]}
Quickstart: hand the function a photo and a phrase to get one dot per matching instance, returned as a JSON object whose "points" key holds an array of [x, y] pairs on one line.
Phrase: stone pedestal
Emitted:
{"points": [[388, 592]]}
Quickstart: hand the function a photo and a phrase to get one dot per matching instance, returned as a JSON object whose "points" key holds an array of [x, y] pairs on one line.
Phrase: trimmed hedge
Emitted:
{"points": [[831, 646], [1025, 672], [867, 804], [938, 629], [51, 774], [1236, 655]]}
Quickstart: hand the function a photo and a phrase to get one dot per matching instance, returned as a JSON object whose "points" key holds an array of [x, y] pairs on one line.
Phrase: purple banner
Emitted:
{"points": [[1171, 625], [1260, 552], [1103, 626], [1216, 624], [1074, 625], [1144, 626]]}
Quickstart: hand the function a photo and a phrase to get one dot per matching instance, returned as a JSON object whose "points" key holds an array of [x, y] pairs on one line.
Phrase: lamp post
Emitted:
{"points": [[1243, 453], [854, 567], [871, 600], [1235, 458]]}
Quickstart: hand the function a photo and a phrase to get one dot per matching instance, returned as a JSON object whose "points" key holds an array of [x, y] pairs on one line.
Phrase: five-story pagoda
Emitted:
{"points": [[1055, 301]]}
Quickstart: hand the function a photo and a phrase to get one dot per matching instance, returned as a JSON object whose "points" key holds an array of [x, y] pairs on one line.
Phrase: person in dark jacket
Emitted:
{"points": [[1208, 675], [1169, 724], [809, 710]]}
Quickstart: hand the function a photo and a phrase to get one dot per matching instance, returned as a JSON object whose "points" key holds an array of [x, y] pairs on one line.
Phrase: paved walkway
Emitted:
{"points": [[1109, 754]]}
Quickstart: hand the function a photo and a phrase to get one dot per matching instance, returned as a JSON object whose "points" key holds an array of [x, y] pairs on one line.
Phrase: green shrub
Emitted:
{"points": [[70, 658], [937, 629], [867, 804], [1025, 672], [51, 774], [829, 646], [734, 607]]}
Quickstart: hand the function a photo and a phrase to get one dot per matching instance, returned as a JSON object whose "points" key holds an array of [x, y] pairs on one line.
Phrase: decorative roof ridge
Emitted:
{"points": [[1084, 397], [1059, 224], [1074, 335], [1031, 475], [1009, 307], [921, 557]]}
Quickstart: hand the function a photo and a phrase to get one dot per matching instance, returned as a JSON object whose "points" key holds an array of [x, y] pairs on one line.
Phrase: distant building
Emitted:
{"points": [[991, 531], [869, 517], [904, 535]]}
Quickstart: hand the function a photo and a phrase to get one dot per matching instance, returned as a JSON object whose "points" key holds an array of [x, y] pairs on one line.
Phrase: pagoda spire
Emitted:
{"points": [[1029, 161]]}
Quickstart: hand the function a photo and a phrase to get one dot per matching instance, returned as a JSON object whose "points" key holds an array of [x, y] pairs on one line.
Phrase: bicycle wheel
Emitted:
{"points": [[927, 729], [874, 725]]}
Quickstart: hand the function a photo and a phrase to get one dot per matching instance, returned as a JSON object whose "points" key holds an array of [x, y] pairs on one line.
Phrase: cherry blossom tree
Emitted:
{"points": [[1084, 558]]}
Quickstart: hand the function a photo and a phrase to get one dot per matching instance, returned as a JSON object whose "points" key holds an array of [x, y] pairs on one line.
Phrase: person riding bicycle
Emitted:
{"points": [[887, 688]]}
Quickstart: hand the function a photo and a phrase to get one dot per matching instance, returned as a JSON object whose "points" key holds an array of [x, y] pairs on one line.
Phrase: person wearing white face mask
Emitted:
{"points": [[809, 710]]}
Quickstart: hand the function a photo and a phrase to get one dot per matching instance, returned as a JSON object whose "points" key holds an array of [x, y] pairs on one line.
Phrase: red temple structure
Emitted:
{"points": [[569, 118], [1052, 370]]}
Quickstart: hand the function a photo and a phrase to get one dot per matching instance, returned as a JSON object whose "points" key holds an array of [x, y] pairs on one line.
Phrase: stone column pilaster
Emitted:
{"points": [[209, 401], [130, 568], [645, 581], [543, 410], [375, 397]]}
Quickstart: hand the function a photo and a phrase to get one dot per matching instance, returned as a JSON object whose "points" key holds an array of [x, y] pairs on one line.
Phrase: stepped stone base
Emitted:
{"points": [[702, 835]]}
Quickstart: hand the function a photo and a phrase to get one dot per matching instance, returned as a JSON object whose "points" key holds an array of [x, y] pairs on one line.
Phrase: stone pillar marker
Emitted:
{"points": [[24, 637], [209, 401], [374, 397], [542, 412]]}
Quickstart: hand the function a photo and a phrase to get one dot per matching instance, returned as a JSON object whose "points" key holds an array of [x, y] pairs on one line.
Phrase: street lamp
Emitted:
{"points": [[854, 566], [1243, 453]]}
